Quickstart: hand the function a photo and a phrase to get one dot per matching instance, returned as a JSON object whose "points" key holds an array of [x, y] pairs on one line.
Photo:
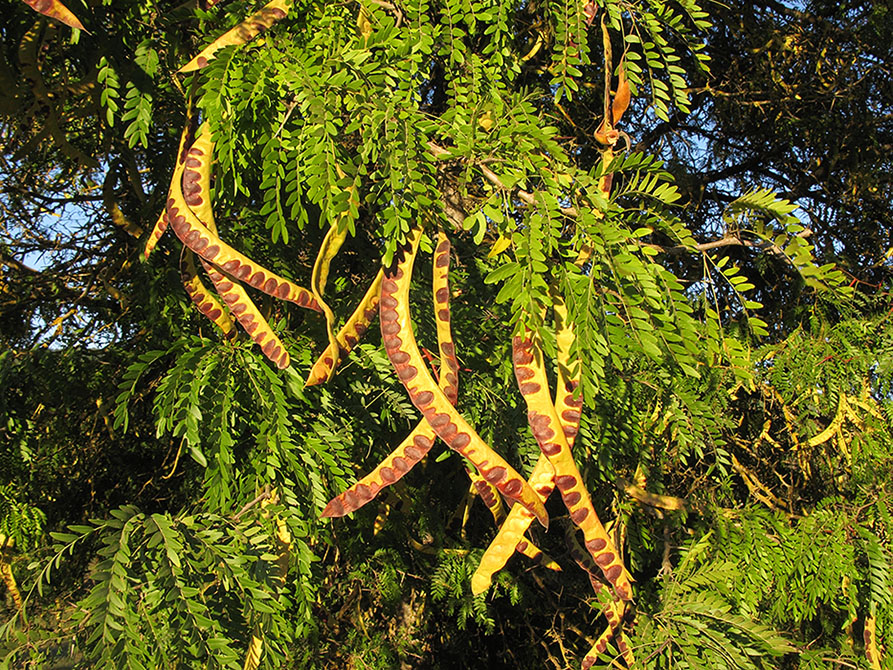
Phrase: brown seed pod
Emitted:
{"points": [[248, 316], [55, 10], [390, 470], [450, 426], [530, 373], [206, 244], [244, 32], [511, 534], [204, 300], [440, 284], [161, 223], [196, 189], [421, 439]]}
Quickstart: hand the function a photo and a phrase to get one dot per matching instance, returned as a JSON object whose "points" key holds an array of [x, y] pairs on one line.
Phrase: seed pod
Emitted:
{"points": [[55, 10], [350, 333], [527, 356], [869, 637], [242, 33], [114, 211], [424, 393], [622, 96], [612, 609], [567, 407], [331, 243], [490, 497], [421, 439], [207, 304], [391, 469], [249, 317], [185, 141], [206, 244], [511, 535], [196, 188], [196, 180], [440, 285]]}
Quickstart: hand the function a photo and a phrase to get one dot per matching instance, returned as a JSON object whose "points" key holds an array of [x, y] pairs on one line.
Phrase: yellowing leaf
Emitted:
{"points": [[502, 243]]}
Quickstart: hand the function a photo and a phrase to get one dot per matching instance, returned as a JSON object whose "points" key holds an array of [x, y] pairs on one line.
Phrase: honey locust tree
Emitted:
{"points": [[317, 314]]}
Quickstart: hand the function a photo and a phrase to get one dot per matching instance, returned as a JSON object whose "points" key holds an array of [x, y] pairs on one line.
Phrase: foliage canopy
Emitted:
{"points": [[708, 197]]}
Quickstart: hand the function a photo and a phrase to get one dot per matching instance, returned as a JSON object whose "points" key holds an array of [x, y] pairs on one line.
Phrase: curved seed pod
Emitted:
{"points": [[161, 223], [511, 535], [244, 32], [421, 439], [613, 609], [449, 365], [196, 187], [531, 375], [248, 316], [391, 469], [207, 245], [196, 181], [403, 352], [55, 10], [567, 407], [207, 304], [350, 333], [328, 250]]}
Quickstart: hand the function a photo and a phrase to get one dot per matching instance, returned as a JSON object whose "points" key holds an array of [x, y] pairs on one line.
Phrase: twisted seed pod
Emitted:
{"points": [[527, 356], [349, 335], [206, 244], [196, 186], [490, 496], [403, 352], [207, 304], [419, 442], [244, 32], [161, 223], [511, 534], [331, 243]]}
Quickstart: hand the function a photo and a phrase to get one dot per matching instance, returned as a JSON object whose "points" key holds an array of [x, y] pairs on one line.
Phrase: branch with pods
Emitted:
{"points": [[554, 418]]}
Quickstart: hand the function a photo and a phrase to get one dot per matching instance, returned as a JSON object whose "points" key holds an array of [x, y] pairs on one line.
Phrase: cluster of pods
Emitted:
{"points": [[553, 422]]}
